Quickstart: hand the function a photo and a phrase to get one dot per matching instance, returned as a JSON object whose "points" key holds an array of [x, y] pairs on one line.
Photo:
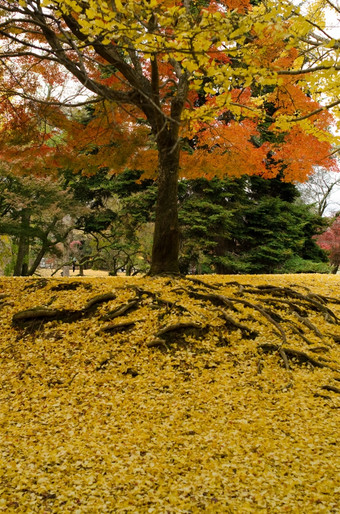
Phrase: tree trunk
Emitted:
{"points": [[45, 244], [37, 260], [21, 265], [335, 269], [165, 248]]}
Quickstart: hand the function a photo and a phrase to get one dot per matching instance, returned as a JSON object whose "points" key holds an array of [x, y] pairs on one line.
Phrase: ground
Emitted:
{"points": [[204, 394], [47, 272]]}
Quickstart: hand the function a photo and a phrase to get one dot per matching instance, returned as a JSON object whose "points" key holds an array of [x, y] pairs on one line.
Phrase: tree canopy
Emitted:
{"points": [[201, 88]]}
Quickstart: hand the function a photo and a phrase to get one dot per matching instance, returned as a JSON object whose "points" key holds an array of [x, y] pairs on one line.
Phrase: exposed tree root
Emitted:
{"points": [[287, 305], [157, 302], [320, 349], [245, 312], [36, 283], [299, 332], [331, 388], [230, 323], [94, 302], [40, 315], [202, 283], [283, 354], [176, 333], [37, 316], [70, 286], [229, 302], [176, 327], [113, 328], [121, 310], [316, 302], [298, 355], [157, 342], [215, 299], [4, 301], [309, 324]]}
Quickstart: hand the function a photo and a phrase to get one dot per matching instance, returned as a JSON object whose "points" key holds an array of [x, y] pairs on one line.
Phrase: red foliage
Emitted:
{"points": [[330, 241]]}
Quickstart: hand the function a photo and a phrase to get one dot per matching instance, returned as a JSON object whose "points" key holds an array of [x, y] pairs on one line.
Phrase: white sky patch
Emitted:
{"points": [[332, 28]]}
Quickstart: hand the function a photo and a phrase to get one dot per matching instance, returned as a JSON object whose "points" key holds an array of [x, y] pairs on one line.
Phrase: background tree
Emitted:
{"points": [[148, 62], [38, 215], [330, 241], [120, 209], [250, 225], [322, 191]]}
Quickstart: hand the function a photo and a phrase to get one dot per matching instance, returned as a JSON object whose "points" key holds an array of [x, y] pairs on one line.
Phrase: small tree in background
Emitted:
{"points": [[36, 214], [330, 241], [322, 191]]}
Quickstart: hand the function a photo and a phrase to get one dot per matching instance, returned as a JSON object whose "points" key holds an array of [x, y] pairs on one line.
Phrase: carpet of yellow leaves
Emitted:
{"points": [[100, 422]]}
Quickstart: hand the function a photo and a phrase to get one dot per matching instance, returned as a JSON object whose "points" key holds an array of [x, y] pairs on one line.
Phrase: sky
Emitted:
{"points": [[332, 28]]}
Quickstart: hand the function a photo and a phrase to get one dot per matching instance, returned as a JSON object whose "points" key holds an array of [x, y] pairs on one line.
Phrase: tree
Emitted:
{"points": [[33, 213], [210, 214], [251, 225], [330, 241], [149, 62], [321, 191], [120, 207]]}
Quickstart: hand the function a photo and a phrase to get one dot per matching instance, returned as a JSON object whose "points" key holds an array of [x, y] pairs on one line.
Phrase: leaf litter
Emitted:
{"points": [[170, 395]]}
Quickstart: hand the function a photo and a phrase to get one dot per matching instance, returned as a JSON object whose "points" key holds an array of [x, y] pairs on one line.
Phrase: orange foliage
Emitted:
{"points": [[298, 154], [241, 96], [214, 5], [225, 149], [238, 5], [289, 98], [287, 59], [25, 137], [40, 142], [270, 51], [112, 138]]}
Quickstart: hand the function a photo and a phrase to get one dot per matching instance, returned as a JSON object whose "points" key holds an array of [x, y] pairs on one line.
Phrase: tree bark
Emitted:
{"points": [[165, 248], [21, 265], [37, 260]]}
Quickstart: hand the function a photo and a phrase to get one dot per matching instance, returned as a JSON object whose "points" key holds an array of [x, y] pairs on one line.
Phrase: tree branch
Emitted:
{"points": [[323, 108]]}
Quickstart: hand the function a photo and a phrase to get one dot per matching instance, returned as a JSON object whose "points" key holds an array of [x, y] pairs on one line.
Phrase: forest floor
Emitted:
{"points": [[47, 272], [202, 394]]}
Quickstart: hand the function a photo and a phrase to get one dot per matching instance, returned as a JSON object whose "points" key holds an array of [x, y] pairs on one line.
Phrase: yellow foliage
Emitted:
{"points": [[102, 422]]}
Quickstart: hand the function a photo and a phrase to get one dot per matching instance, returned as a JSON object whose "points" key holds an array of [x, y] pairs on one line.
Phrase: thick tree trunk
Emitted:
{"points": [[166, 235], [21, 264]]}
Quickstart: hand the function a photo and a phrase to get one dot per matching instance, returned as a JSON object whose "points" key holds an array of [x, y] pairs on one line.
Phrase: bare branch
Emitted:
{"points": [[308, 70], [333, 5], [323, 108], [51, 102]]}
